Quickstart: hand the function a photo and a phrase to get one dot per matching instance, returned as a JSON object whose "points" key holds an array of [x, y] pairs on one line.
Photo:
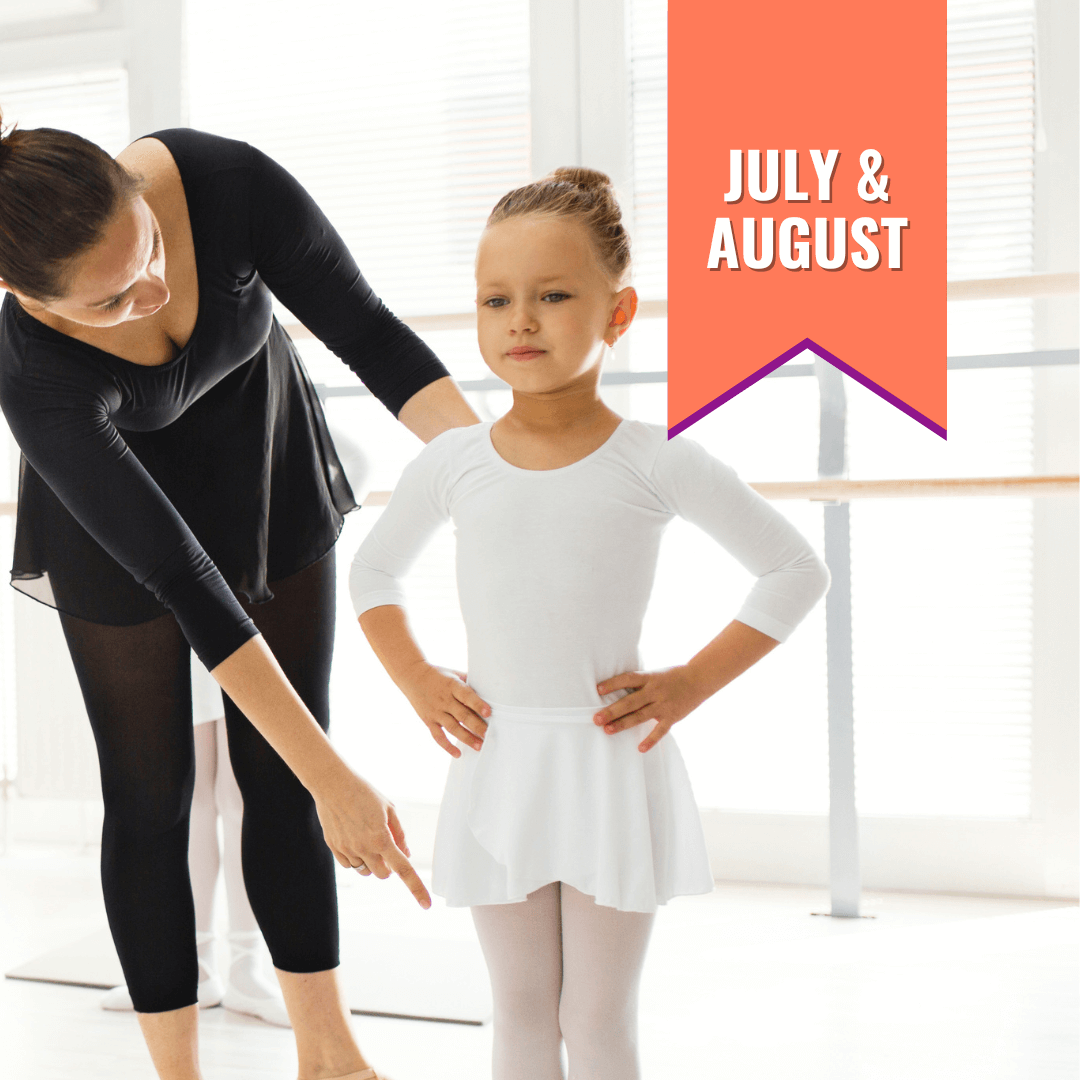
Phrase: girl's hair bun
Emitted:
{"points": [[585, 194], [590, 179]]}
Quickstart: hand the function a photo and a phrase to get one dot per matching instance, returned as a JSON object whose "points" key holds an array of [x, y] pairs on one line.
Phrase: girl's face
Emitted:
{"points": [[545, 308], [119, 279]]}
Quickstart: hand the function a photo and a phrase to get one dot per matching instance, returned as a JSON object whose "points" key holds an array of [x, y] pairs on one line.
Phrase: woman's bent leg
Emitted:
{"points": [[288, 868], [137, 687], [523, 948], [603, 953]]}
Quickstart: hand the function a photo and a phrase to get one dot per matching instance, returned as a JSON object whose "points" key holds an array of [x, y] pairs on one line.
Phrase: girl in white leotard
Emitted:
{"points": [[562, 826]]}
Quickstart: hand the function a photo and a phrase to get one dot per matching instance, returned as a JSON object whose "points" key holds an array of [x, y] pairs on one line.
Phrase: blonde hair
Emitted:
{"points": [[584, 194]]}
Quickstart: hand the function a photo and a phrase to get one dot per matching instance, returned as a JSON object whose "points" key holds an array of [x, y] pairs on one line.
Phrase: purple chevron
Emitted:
{"points": [[783, 358]]}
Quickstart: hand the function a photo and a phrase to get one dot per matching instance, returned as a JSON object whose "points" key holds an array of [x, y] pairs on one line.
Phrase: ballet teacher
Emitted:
{"points": [[179, 490]]}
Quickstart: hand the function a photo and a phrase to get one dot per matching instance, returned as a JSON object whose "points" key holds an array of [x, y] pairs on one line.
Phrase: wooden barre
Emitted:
{"points": [[1024, 487], [846, 490], [937, 487]]}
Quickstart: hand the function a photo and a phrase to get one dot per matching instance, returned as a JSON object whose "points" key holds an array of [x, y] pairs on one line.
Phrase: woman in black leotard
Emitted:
{"points": [[179, 488]]}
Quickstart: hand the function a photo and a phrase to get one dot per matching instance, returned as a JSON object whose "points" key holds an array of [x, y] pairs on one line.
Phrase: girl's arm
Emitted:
{"points": [[668, 696], [420, 504], [791, 579], [441, 698]]}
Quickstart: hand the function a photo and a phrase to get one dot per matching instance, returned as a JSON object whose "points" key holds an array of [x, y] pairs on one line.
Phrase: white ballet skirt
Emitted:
{"points": [[553, 797], [554, 570]]}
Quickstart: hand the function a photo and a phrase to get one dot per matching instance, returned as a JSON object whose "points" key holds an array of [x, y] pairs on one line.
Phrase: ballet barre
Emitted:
{"points": [[1024, 487], [951, 487]]}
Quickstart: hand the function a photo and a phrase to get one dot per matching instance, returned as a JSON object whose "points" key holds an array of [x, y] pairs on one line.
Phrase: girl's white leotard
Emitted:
{"points": [[554, 571]]}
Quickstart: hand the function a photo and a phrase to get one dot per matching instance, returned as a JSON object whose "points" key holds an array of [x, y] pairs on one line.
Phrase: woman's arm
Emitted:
{"points": [[436, 408], [359, 825], [305, 264], [66, 433]]}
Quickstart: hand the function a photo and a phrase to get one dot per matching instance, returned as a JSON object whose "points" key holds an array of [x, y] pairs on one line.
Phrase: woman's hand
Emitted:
{"points": [[663, 696], [362, 830], [446, 703]]}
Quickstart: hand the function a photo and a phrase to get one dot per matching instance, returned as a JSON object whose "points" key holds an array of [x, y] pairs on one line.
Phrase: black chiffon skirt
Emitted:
{"points": [[250, 466]]}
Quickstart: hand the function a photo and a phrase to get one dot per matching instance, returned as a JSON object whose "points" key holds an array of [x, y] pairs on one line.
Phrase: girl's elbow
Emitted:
{"points": [[822, 576]]}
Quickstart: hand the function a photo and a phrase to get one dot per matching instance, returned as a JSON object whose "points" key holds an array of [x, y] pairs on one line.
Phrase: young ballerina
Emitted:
{"points": [[561, 826]]}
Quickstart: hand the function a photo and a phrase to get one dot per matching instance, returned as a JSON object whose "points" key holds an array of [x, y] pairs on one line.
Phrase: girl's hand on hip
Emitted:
{"points": [[446, 703], [663, 696], [362, 830]]}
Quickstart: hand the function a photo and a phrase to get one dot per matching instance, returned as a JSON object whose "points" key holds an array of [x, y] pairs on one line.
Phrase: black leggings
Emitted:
{"points": [[136, 682]]}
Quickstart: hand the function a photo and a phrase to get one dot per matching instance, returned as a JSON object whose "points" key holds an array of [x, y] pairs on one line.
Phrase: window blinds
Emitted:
{"points": [[991, 123], [406, 122], [648, 94], [57, 751]]}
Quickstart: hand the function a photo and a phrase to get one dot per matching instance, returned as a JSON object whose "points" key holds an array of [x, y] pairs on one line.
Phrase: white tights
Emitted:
{"points": [[216, 793], [563, 968]]}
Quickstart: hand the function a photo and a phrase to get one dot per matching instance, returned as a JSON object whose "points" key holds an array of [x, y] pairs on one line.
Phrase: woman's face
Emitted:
{"points": [[119, 279], [545, 308]]}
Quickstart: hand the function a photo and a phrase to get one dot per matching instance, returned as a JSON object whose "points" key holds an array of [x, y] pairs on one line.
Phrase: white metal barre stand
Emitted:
{"points": [[844, 878]]}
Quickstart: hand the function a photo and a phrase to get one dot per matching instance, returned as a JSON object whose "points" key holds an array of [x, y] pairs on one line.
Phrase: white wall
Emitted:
{"points": [[580, 123]]}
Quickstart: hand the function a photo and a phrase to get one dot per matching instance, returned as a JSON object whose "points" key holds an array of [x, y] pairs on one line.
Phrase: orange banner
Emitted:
{"points": [[806, 199]]}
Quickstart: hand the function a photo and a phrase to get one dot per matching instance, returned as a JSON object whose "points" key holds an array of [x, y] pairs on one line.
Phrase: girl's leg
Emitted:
{"points": [[288, 869], [230, 805], [603, 953], [523, 948], [204, 859], [248, 989], [137, 687]]}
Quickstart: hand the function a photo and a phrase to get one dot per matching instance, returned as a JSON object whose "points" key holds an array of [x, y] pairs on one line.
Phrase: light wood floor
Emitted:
{"points": [[743, 984]]}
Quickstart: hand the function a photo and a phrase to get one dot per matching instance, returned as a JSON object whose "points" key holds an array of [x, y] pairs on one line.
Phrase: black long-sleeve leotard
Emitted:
{"points": [[226, 476]]}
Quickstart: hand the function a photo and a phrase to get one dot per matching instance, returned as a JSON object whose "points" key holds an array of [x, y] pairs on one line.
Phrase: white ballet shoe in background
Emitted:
{"points": [[249, 991], [210, 990], [117, 999]]}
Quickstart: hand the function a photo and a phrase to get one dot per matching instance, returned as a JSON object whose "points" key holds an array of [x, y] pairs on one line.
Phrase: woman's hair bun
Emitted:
{"points": [[590, 179]]}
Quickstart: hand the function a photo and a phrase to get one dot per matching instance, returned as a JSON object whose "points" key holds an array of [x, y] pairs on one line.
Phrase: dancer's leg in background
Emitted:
{"points": [[203, 858], [230, 805], [603, 954], [249, 988], [522, 945]]}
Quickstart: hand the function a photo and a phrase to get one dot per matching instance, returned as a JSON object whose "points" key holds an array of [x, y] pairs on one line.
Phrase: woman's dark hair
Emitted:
{"points": [[58, 192], [584, 194]]}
